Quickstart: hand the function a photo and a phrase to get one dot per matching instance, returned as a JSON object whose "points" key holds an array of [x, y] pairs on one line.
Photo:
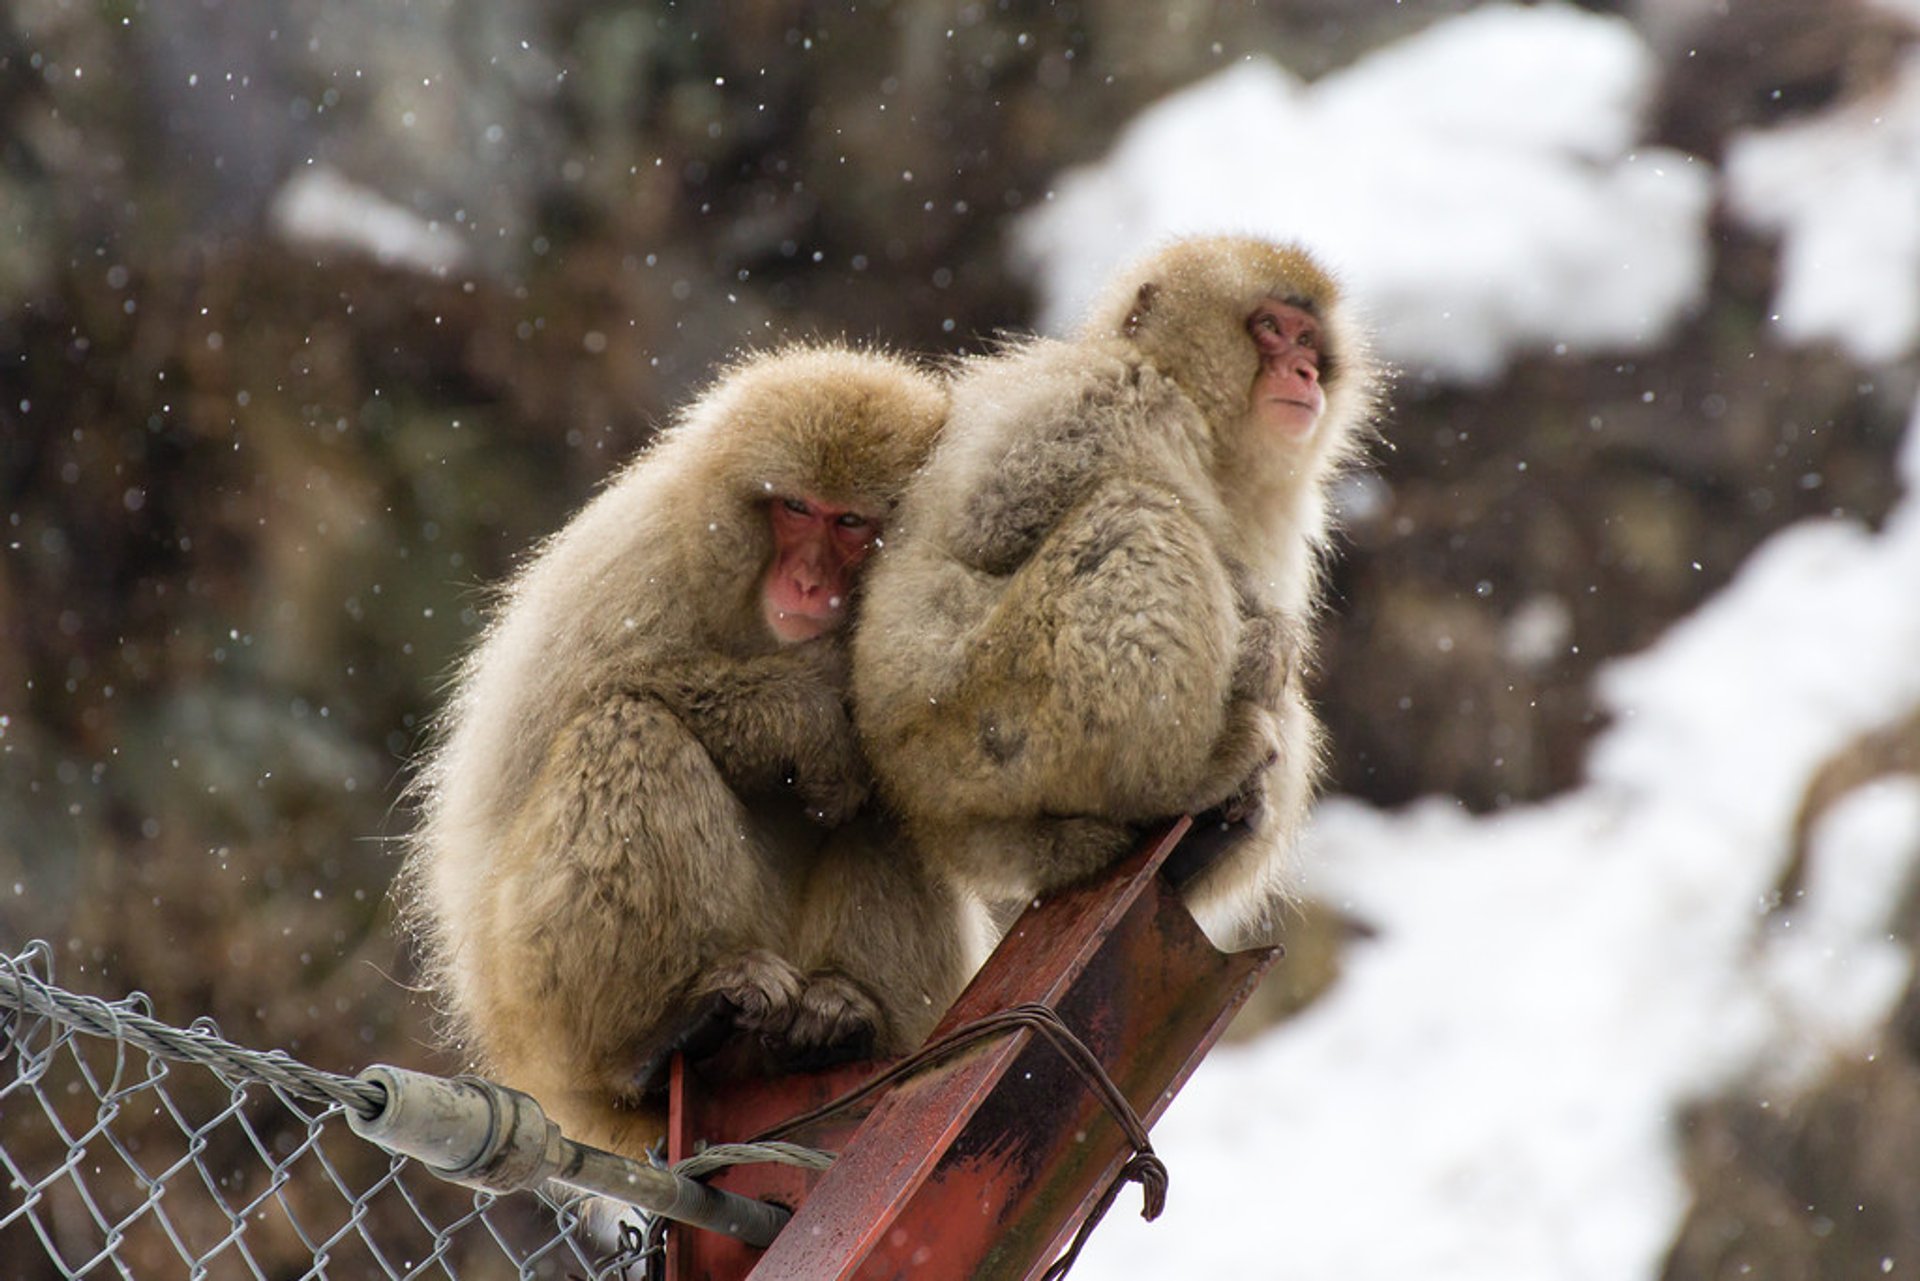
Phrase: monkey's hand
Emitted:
{"points": [[1246, 803], [836, 1021], [1264, 664], [1044, 474], [1236, 775], [832, 778], [774, 721], [761, 989]]}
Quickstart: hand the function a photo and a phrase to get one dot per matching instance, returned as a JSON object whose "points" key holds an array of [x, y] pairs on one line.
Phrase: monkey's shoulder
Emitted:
{"points": [[1048, 396], [1036, 428], [1040, 370]]}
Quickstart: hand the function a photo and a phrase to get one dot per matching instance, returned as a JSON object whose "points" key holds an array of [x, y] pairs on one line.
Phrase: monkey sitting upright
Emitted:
{"points": [[643, 805], [1095, 608]]}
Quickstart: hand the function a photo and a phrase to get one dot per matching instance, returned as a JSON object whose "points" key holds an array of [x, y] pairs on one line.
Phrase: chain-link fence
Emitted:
{"points": [[133, 1149]]}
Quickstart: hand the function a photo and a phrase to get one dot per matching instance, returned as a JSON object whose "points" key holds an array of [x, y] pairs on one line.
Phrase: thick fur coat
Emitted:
{"points": [[1098, 602], [640, 808]]}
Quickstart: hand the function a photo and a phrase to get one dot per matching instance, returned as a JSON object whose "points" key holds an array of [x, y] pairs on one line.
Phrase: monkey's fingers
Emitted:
{"points": [[705, 1031], [832, 798], [837, 1021], [762, 989], [1247, 803], [1244, 807]]}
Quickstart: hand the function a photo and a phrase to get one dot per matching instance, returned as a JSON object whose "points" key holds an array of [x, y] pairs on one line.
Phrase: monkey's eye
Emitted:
{"points": [[852, 520], [1266, 322], [796, 506]]}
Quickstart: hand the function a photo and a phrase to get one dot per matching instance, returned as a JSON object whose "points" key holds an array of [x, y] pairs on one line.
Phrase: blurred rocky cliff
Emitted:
{"points": [[314, 314]]}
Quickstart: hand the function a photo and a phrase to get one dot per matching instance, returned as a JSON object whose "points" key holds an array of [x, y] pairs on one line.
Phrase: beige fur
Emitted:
{"points": [[1096, 606], [638, 801]]}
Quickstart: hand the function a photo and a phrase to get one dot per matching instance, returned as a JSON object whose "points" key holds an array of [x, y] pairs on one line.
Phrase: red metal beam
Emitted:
{"points": [[986, 1164], [731, 1112]]}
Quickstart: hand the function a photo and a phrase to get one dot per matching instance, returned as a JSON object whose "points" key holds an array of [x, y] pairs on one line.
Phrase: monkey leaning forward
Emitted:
{"points": [[1100, 593], [642, 819]]}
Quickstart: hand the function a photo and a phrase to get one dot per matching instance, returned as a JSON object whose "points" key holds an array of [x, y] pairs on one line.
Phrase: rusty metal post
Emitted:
{"points": [[987, 1164], [733, 1111]]}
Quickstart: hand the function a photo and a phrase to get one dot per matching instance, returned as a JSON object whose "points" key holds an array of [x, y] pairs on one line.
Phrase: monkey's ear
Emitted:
{"points": [[1142, 304]]}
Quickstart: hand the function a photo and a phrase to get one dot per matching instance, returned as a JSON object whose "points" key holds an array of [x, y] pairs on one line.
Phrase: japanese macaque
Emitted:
{"points": [[642, 820], [1096, 607]]}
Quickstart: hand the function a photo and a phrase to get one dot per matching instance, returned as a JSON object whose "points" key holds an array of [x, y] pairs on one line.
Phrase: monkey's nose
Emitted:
{"points": [[808, 572]]}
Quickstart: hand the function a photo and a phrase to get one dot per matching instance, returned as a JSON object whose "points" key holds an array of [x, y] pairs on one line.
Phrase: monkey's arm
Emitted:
{"points": [[1252, 738], [622, 897], [1067, 421], [885, 942], [772, 720], [1029, 489]]}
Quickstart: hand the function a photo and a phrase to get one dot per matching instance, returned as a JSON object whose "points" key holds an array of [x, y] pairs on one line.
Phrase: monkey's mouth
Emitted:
{"points": [[1291, 415], [792, 626]]}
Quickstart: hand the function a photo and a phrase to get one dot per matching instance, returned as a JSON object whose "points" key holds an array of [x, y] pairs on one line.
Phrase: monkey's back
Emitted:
{"points": [[580, 609], [1052, 628]]}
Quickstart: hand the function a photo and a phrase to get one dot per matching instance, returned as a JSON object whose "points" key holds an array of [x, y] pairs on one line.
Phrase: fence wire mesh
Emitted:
{"points": [[124, 1161]]}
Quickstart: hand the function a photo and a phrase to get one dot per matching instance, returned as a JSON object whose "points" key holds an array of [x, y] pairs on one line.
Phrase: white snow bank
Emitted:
{"points": [[1908, 9], [1489, 1092], [1469, 183], [1843, 190]]}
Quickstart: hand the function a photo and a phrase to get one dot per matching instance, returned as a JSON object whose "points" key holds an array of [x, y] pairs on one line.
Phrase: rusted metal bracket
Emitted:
{"points": [[987, 1163]]}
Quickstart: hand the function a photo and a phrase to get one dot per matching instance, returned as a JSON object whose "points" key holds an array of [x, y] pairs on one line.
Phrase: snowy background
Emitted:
{"points": [[1489, 1092], [316, 314]]}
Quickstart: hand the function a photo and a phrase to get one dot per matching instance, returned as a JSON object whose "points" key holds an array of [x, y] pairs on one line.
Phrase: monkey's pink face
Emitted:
{"points": [[817, 548], [1286, 392]]}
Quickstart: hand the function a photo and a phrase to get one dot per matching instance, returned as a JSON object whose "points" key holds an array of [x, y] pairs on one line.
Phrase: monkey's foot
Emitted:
{"points": [[1074, 849], [762, 989], [701, 1032], [1246, 805], [837, 1021], [1246, 753]]}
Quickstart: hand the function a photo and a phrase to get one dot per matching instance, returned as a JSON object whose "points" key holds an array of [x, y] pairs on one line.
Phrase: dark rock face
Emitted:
{"points": [[252, 489]]}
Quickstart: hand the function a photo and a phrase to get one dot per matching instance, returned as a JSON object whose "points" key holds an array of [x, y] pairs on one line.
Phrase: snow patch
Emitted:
{"points": [[319, 207], [1843, 192], [1467, 182], [1497, 1073]]}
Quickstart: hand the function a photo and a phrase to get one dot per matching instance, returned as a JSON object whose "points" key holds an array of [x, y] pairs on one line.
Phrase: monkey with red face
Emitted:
{"points": [[641, 821], [817, 548], [1286, 392], [1099, 596]]}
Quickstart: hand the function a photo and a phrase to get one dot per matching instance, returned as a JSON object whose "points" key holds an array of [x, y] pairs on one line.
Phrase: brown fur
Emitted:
{"points": [[640, 808], [1098, 602]]}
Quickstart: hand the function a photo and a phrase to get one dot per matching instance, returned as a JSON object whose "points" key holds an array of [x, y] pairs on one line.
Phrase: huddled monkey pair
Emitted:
{"points": [[677, 803]]}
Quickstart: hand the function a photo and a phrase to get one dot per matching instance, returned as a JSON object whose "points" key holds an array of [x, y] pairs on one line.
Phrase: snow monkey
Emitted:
{"points": [[1095, 608], [642, 816]]}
